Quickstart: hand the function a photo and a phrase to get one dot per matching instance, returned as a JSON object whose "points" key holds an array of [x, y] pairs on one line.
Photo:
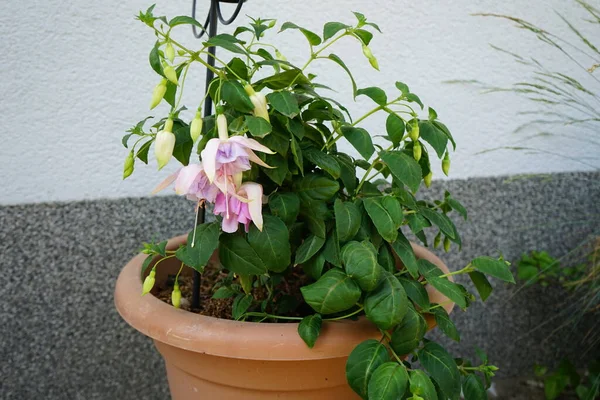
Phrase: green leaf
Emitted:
{"points": [[385, 258], [312, 37], [146, 265], [333, 292], [279, 169], [347, 219], [364, 36], [309, 329], [387, 304], [313, 187], [483, 286], [331, 28], [403, 88], [417, 222], [236, 255], [258, 126], [404, 168], [237, 69], [323, 160], [314, 266], [456, 205], [388, 382], [360, 262], [224, 292], [341, 63], [374, 93], [272, 244], [395, 127], [404, 250], [226, 41], [493, 267], [441, 367], [284, 102], [386, 214], [183, 143], [154, 59], [473, 388], [282, 80], [360, 139], [449, 289], [184, 20], [297, 154], [445, 323], [362, 362], [308, 248], [432, 135], [200, 247], [315, 223], [240, 305], [445, 129], [332, 252], [286, 206], [347, 172], [421, 385], [440, 220], [233, 93], [416, 292], [409, 333], [413, 98]]}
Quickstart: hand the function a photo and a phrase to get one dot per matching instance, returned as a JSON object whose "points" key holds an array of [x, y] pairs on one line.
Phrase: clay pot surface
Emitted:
{"points": [[217, 359]]}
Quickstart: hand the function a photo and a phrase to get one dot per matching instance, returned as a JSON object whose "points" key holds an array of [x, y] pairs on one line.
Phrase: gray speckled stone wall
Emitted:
{"points": [[62, 338]]}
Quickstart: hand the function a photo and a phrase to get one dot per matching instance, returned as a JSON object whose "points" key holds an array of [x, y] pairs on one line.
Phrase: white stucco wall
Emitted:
{"points": [[76, 76]]}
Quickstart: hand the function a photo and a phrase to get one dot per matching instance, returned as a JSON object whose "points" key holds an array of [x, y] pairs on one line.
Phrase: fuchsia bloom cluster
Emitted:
{"points": [[218, 179]]}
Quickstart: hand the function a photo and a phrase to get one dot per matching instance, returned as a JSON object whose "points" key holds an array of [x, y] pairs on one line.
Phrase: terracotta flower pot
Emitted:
{"points": [[216, 359]]}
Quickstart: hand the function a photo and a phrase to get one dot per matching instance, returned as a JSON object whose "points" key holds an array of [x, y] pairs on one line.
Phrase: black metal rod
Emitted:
{"points": [[210, 59]]}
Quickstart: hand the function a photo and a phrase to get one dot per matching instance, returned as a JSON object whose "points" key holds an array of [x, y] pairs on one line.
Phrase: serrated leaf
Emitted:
{"points": [[364, 36], [388, 382], [314, 266], [184, 20], [282, 80], [297, 154], [272, 244], [308, 248], [360, 140], [404, 168], [332, 293], [456, 205], [347, 219], [154, 59], [385, 258], [347, 172], [278, 170], [360, 263], [332, 252], [493, 267], [441, 367], [362, 362], [236, 255], [309, 329]]}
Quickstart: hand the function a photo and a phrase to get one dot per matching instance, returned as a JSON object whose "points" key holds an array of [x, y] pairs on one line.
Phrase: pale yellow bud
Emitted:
{"points": [[170, 73], [163, 147], [149, 282], [222, 127], [196, 127], [158, 93], [170, 52]]}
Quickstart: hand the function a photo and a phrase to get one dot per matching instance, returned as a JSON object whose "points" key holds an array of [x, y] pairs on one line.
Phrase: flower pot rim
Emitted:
{"points": [[253, 340]]}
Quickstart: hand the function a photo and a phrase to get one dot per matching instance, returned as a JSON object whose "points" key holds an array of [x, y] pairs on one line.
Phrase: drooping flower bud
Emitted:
{"points": [[372, 60], [414, 130], [164, 144], [158, 93], [149, 282], [176, 295], [169, 52], [446, 164], [437, 240], [196, 127], [447, 244], [417, 151], [259, 101], [222, 127], [279, 56], [170, 73], [128, 166], [427, 179]]}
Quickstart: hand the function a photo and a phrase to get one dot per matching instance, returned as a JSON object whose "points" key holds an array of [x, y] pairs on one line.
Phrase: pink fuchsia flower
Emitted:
{"points": [[192, 182], [242, 208], [229, 156]]}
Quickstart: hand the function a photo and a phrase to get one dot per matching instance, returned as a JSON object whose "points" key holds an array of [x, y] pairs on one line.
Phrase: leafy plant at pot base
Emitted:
{"points": [[269, 160], [566, 379]]}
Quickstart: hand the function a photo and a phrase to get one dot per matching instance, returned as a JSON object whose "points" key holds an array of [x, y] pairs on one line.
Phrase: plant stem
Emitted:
{"points": [[364, 178], [266, 315], [345, 316], [465, 270], [190, 52]]}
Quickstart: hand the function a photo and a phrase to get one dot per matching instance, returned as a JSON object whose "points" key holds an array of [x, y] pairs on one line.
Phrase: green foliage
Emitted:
{"points": [[341, 236]]}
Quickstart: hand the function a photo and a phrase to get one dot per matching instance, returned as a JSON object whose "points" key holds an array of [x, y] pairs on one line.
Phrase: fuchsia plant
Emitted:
{"points": [[269, 160]]}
